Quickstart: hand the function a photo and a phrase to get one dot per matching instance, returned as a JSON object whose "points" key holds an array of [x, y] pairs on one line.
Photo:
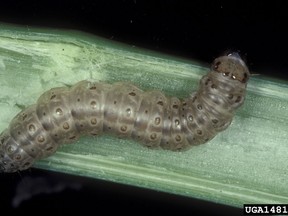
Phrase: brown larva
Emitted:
{"points": [[63, 114]]}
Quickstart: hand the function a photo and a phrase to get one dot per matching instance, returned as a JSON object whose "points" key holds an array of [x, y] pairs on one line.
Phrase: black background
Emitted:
{"points": [[192, 29]]}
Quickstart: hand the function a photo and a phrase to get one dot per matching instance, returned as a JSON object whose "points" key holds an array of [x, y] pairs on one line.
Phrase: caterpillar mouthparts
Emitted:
{"points": [[61, 115]]}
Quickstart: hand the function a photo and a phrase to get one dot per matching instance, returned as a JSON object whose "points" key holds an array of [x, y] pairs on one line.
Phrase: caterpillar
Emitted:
{"points": [[61, 115]]}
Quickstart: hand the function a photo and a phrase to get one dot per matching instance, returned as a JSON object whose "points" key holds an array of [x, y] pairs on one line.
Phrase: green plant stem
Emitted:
{"points": [[247, 163]]}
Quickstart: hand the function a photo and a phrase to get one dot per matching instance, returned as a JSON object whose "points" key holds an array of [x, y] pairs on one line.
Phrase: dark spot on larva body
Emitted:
{"points": [[177, 122], [52, 96], [245, 78], [74, 113], [160, 103], [59, 111], [132, 94], [94, 134], [194, 99], [93, 104], [123, 128], [226, 73], [230, 96], [157, 120], [178, 138], [26, 164], [175, 106], [93, 121], [31, 127], [213, 86], [66, 126], [93, 88], [153, 136], [17, 157], [239, 98], [11, 149], [128, 112], [24, 116], [207, 81], [216, 65], [49, 148], [40, 139]]}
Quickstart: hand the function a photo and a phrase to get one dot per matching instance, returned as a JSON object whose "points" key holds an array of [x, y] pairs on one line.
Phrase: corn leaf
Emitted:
{"points": [[247, 163]]}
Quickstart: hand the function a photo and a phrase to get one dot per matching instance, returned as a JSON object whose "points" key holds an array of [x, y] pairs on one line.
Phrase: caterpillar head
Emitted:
{"points": [[232, 66]]}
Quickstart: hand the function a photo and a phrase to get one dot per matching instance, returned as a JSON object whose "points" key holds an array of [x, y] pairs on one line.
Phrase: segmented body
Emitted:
{"points": [[62, 115]]}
